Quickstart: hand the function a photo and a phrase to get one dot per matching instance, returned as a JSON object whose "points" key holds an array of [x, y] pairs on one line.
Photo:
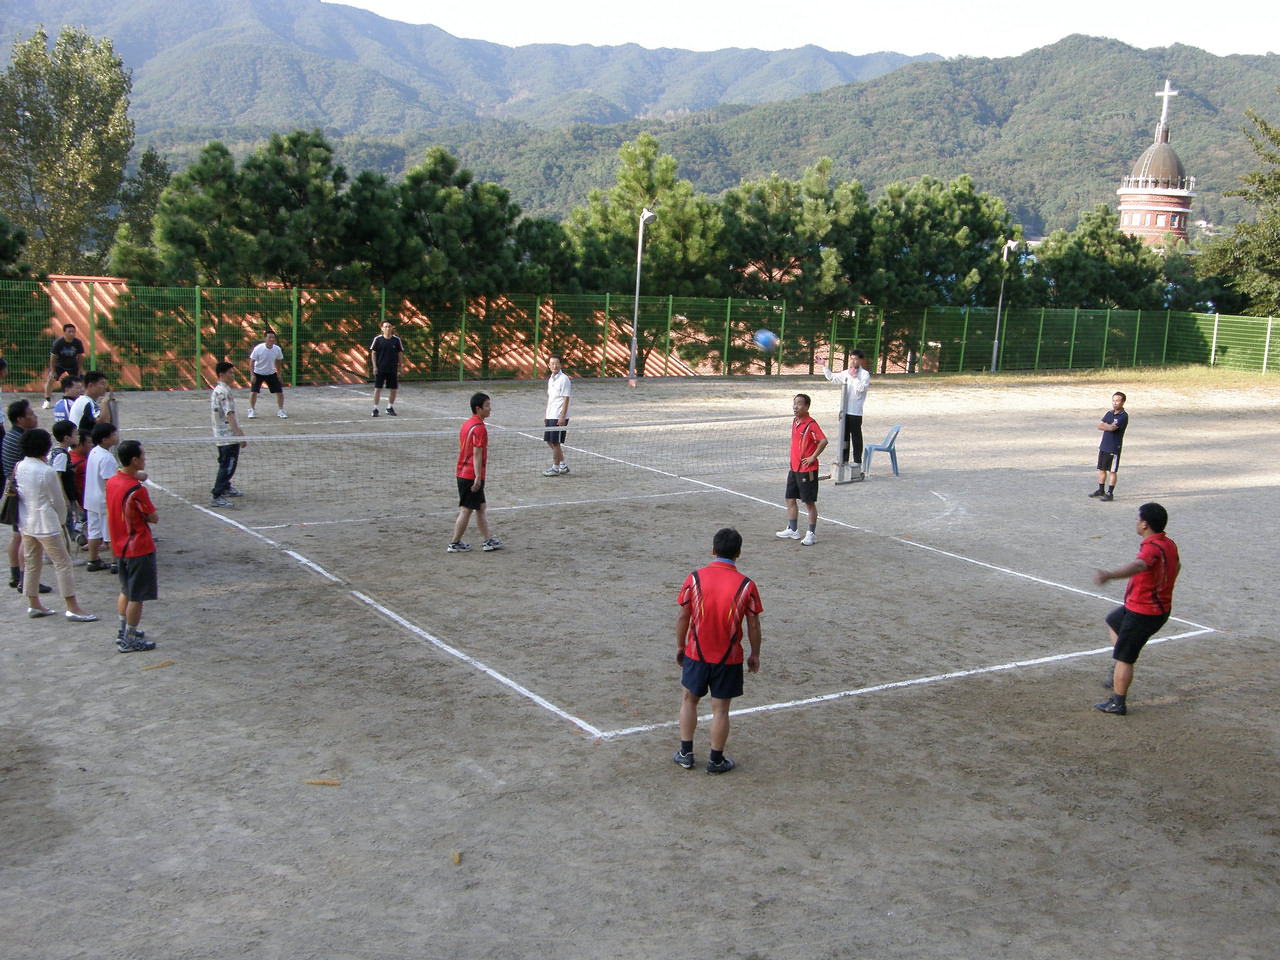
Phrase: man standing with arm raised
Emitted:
{"points": [[854, 382]]}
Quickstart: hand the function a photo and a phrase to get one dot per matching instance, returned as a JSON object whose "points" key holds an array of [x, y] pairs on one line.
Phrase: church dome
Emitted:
{"points": [[1158, 169]]}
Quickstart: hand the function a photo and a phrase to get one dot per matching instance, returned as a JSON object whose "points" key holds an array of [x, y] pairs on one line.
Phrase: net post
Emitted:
{"points": [[537, 329], [293, 343], [604, 338], [196, 376], [964, 338], [782, 335], [462, 342]]}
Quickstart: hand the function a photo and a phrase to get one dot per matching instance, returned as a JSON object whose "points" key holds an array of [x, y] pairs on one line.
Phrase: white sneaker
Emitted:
{"points": [[563, 468], [809, 540], [253, 414], [282, 415], [46, 405], [789, 534], [551, 472]]}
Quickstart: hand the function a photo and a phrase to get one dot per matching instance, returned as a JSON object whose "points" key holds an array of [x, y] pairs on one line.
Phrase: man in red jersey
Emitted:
{"points": [[714, 601], [807, 441], [130, 514], [473, 458], [1148, 600]]}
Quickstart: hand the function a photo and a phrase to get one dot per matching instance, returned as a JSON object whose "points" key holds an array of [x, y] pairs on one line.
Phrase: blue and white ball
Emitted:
{"points": [[766, 340]]}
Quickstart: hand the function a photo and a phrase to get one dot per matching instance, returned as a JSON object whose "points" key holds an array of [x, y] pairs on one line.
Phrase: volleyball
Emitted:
{"points": [[766, 340]]}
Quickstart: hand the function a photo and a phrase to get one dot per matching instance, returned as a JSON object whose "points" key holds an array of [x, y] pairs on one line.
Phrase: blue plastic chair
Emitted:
{"points": [[889, 446]]}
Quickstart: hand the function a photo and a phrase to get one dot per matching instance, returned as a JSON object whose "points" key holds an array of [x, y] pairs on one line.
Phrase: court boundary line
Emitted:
{"points": [[607, 735]]}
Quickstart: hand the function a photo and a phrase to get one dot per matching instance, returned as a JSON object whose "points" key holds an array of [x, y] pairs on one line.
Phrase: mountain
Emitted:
{"points": [[1051, 132], [253, 65]]}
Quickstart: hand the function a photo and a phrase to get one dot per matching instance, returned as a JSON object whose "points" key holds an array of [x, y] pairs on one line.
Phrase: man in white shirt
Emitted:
{"points": [[558, 390], [226, 428], [854, 382], [100, 468], [266, 358], [94, 405]]}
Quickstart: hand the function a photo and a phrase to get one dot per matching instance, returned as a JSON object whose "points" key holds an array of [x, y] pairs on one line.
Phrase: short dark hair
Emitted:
{"points": [[855, 352], [808, 401], [36, 443], [1156, 516], [84, 436], [223, 366], [556, 357], [129, 451], [68, 326], [100, 432], [67, 381], [477, 401], [93, 376], [268, 333], [727, 543], [1121, 395], [17, 410], [63, 429]]}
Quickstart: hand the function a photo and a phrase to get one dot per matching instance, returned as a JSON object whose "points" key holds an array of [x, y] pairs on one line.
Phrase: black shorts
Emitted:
{"points": [[553, 436], [1110, 462], [1133, 630], [802, 486], [386, 378], [272, 381], [61, 370], [724, 680], [138, 581], [471, 499]]}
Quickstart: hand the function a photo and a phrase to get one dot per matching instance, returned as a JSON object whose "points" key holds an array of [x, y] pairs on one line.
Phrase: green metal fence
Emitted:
{"points": [[160, 338]]}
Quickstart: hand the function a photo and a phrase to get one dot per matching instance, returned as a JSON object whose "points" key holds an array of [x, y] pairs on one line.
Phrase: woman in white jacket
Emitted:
{"points": [[42, 511]]}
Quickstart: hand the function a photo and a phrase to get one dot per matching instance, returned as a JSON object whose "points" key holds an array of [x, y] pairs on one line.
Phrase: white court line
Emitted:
{"points": [[895, 685], [763, 708]]}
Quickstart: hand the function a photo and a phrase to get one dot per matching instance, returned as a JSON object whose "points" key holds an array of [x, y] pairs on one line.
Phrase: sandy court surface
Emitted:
{"points": [[920, 770]]}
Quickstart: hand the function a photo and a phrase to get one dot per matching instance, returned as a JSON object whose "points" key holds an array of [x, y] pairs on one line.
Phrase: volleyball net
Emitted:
{"points": [[369, 472]]}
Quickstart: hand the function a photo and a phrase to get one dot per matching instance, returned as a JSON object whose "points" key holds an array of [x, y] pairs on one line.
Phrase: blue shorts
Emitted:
{"points": [[724, 680], [553, 436]]}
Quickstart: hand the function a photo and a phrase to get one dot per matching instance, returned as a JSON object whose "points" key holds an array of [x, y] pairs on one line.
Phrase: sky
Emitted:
{"points": [[980, 28]]}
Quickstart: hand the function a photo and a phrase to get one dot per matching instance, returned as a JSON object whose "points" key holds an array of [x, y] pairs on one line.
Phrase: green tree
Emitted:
{"points": [[1097, 266], [63, 146], [140, 195], [1249, 257], [12, 266]]}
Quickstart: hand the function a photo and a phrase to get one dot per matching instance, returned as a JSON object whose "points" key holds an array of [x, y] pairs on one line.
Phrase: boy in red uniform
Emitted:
{"points": [[130, 514], [1148, 600], [473, 458], [713, 603], [807, 441]]}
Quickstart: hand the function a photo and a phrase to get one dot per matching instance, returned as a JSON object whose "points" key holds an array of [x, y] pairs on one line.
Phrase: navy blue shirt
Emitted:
{"points": [[1113, 440]]}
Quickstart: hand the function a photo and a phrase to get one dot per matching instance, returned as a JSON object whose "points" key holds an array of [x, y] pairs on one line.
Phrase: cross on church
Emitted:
{"points": [[1166, 93]]}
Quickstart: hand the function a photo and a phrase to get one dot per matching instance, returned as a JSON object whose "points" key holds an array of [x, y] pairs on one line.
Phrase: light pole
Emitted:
{"points": [[646, 216], [1004, 270]]}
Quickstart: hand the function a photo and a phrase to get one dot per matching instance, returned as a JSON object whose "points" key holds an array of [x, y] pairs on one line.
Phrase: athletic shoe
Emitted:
{"points": [[789, 534], [95, 565], [282, 415], [551, 472], [46, 405], [253, 414], [80, 617], [233, 492], [375, 411], [1111, 706], [493, 543], [563, 468], [35, 612], [684, 759], [459, 547], [140, 634], [724, 766], [219, 502], [1098, 493], [391, 411], [809, 540], [1106, 498], [134, 645]]}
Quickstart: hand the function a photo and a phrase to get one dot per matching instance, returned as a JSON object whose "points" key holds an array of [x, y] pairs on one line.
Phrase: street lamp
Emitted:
{"points": [[646, 216], [1004, 270]]}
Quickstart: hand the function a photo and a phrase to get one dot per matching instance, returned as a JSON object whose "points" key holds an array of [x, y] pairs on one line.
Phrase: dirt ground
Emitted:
{"points": [[920, 770]]}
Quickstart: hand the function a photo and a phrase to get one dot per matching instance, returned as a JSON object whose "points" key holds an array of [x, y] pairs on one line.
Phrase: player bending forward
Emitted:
{"points": [[714, 601]]}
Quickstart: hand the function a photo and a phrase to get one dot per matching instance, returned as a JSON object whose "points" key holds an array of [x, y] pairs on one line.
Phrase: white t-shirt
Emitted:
{"points": [[558, 389], [100, 467], [264, 359], [855, 387], [221, 403]]}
